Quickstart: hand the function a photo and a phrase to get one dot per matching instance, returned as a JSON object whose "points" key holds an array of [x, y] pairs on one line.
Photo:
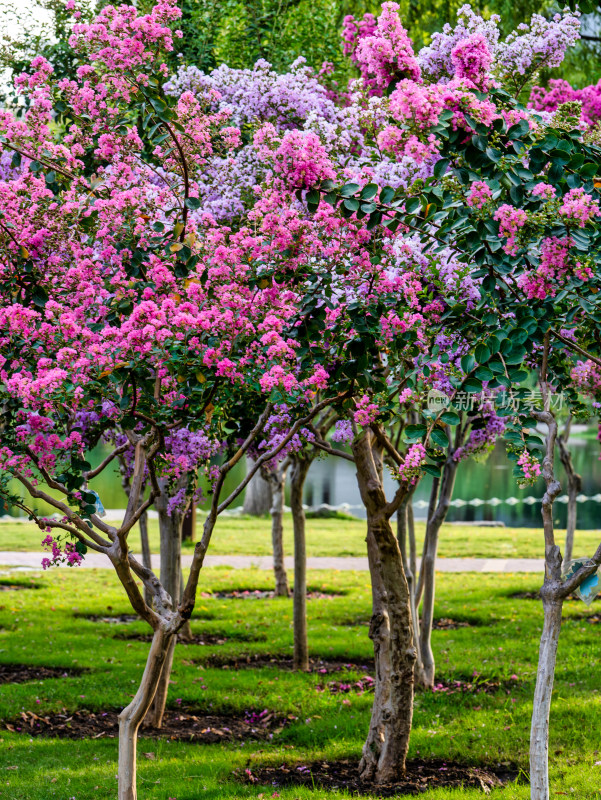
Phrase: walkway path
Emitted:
{"points": [[33, 561]]}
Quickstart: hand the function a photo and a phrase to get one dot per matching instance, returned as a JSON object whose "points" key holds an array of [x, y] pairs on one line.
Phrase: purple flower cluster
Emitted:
{"points": [[542, 43], [436, 59]]}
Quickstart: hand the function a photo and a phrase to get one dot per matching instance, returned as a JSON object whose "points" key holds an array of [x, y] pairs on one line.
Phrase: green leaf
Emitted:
{"points": [[369, 191], [387, 195], [431, 469], [468, 363], [441, 167], [192, 203], [484, 373], [351, 203], [472, 385], [450, 417], [349, 189], [439, 437], [482, 354], [414, 432]]}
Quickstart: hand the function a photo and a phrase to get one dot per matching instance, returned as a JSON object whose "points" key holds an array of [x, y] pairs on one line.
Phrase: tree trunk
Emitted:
{"points": [[574, 489], [185, 632], [131, 716], [170, 528], [428, 572], [146, 555], [298, 473], [391, 628], [539, 732], [551, 594], [277, 481], [257, 498], [189, 524]]}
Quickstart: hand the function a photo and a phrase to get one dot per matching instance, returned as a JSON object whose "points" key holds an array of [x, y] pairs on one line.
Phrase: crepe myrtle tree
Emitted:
{"points": [[514, 197], [117, 302]]}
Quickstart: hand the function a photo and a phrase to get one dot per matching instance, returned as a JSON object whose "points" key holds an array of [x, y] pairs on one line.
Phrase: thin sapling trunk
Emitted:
{"points": [[277, 481], [298, 473], [574, 489]]}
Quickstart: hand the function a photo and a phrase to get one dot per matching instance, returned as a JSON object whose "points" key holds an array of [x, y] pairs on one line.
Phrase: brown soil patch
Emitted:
{"points": [[184, 725], [197, 638], [420, 777], [22, 673]]}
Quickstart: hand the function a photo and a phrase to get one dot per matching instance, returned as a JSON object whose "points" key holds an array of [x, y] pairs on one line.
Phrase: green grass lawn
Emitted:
{"points": [[40, 626], [337, 537]]}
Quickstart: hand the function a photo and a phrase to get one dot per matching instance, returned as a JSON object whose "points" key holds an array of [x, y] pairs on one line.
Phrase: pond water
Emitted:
{"points": [[331, 480]]}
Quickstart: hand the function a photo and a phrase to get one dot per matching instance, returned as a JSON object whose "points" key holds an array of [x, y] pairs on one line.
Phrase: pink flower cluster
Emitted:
{"points": [[510, 221], [410, 468], [472, 59], [68, 555], [298, 157], [553, 270], [579, 207], [354, 30], [394, 140], [366, 411], [388, 52], [544, 190], [559, 92], [479, 195], [530, 467]]}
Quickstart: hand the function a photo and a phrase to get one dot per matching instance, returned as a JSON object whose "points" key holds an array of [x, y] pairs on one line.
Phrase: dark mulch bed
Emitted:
{"points": [[536, 596], [197, 638], [264, 594], [22, 673], [111, 619], [441, 624], [477, 684], [447, 624], [592, 619], [474, 685], [9, 586], [421, 776], [184, 725], [258, 660]]}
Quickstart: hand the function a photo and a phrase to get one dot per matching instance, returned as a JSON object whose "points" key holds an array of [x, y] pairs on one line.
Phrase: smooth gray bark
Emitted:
{"points": [[257, 497], [133, 714], [574, 489], [170, 530], [277, 480], [146, 554]]}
